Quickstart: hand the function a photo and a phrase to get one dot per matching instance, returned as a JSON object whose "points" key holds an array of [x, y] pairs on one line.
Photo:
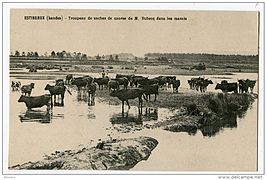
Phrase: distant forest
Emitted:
{"points": [[208, 57]]}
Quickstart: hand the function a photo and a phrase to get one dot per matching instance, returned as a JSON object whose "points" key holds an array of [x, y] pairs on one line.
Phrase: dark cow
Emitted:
{"points": [[123, 81], [227, 87], [91, 89], [204, 84], [251, 84], [82, 81], [113, 85], [160, 80], [175, 85], [195, 83], [15, 85], [69, 78], [27, 89], [56, 90], [36, 101], [170, 79], [244, 85], [126, 94], [150, 89], [136, 79], [129, 77], [102, 82]]}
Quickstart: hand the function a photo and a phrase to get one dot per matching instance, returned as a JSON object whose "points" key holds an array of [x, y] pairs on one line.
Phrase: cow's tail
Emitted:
{"points": [[68, 91]]}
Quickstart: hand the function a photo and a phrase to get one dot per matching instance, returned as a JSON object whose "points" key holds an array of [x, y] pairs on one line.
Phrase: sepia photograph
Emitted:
{"points": [[133, 90]]}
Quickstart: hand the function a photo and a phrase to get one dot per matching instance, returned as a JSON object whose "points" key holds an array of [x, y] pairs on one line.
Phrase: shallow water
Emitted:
{"points": [[36, 132]]}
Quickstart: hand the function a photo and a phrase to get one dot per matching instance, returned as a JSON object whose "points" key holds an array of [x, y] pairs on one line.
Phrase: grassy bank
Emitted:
{"points": [[207, 112]]}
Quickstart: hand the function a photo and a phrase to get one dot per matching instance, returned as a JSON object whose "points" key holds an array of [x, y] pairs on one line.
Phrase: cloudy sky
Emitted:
{"points": [[202, 32]]}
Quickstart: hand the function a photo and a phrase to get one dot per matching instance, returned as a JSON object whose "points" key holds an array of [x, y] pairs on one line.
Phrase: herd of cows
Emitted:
{"points": [[124, 87]]}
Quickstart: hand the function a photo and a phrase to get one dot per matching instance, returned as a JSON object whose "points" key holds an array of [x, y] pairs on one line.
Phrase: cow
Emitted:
{"points": [[123, 81], [15, 85], [27, 89], [170, 79], [227, 87], [136, 79], [129, 77], [69, 78], [56, 90], [36, 101], [243, 86], [251, 84], [91, 89], [113, 85], [126, 94], [82, 81], [175, 85], [150, 89], [102, 82], [204, 84]]}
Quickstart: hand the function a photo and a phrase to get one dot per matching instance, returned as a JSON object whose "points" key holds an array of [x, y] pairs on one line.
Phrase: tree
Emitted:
{"points": [[53, 54], [84, 57], [97, 57], [116, 57], [110, 57], [17, 53], [36, 54]]}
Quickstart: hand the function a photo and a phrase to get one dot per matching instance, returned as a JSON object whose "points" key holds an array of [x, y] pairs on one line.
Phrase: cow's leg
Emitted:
{"points": [[128, 104], [251, 90], [140, 102], [155, 97], [51, 99], [62, 99], [122, 106], [55, 99]]}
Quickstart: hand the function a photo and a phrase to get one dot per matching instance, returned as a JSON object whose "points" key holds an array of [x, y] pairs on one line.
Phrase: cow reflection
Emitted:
{"points": [[83, 96], [36, 116], [126, 118], [213, 125], [150, 113]]}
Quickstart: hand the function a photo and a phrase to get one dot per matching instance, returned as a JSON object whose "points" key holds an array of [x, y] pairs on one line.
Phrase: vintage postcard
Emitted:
{"points": [[133, 90]]}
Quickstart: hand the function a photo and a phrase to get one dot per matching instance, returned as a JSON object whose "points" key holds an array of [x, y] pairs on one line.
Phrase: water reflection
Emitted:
{"points": [[144, 114], [126, 118], [213, 125], [36, 116], [149, 113], [82, 96]]}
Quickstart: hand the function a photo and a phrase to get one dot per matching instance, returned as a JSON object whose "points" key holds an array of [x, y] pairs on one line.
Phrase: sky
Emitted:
{"points": [[218, 32]]}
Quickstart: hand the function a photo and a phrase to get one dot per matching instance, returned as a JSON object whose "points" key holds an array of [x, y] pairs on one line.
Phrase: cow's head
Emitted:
{"points": [[218, 86], [21, 99], [32, 85], [47, 87]]}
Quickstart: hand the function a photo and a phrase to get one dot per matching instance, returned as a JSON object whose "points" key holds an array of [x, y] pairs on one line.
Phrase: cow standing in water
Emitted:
{"points": [[36, 101], [91, 89], [56, 90], [126, 94]]}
